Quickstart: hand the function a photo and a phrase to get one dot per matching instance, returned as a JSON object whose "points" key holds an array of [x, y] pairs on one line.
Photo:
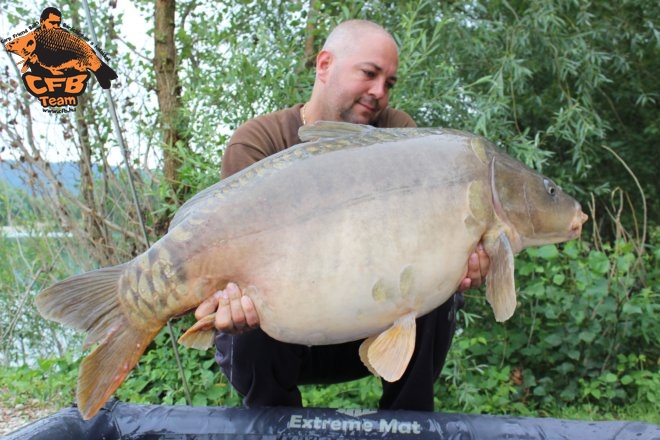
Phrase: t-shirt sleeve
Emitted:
{"points": [[259, 138], [239, 156]]}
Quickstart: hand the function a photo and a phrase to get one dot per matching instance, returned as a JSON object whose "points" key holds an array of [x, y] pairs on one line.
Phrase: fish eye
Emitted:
{"points": [[550, 187]]}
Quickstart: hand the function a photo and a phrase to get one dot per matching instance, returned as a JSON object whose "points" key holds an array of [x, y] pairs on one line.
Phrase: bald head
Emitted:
{"points": [[352, 34], [355, 71]]}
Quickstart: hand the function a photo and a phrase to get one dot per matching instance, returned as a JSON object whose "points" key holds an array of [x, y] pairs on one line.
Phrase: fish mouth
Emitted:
{"points": [[576, 225]]}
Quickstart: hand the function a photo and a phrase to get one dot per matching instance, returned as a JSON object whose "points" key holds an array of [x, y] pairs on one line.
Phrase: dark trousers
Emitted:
{"points": [[267, 372]]}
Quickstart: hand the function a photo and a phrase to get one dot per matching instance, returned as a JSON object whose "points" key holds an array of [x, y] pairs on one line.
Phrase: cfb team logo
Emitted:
{"points": [[56, 63]]}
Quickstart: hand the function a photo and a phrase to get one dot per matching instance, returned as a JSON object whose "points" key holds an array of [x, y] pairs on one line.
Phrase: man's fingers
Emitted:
{"points": [[474, 270], [208, 306], [251, 316], [484, 260], [478, 265], [236, 310], [465, 285], [477, 269], [223, 321]]}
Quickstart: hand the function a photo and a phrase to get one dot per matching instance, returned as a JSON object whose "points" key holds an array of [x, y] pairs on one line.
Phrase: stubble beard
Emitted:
{"points": [[349, 114]]}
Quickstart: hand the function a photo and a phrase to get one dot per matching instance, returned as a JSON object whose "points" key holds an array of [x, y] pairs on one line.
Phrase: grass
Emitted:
{"points": [[53, 384], [641, 412]]}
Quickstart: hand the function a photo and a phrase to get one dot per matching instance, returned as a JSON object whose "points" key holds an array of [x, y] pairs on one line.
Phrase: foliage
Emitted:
{"points": [[52, 382], [585, 333], [363, 393], [14, 205]]}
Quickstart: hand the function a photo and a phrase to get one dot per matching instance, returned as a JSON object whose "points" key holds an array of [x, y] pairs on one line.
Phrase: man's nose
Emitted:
{"points": [[379, 88]]}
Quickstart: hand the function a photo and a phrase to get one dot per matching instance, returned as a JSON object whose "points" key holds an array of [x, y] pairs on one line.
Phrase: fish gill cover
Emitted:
{"points": [[56, 61]]}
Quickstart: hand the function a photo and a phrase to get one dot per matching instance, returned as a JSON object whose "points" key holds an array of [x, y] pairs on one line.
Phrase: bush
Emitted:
{"points": [[585, 332], [51, 380]]}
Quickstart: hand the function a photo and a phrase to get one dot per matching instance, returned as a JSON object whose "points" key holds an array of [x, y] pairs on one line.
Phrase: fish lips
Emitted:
{"points": [[576, 226]]}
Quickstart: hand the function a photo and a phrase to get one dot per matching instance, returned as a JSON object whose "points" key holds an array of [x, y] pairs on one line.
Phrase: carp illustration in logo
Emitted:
{"points": [[58, 61]]}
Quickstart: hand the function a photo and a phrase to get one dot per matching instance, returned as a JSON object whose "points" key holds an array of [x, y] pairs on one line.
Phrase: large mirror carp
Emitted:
{"points": [[349, 236]]}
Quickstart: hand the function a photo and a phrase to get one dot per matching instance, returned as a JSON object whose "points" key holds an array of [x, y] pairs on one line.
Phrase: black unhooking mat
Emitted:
{"points": [[158, 422]]}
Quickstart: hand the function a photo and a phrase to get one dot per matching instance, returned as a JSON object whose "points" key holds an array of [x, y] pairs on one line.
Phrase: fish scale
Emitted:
{"points": [[347, 237], [58, 40], [151, 272]]}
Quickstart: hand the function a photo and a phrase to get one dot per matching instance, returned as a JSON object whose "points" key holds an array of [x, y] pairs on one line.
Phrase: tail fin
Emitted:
{"points": [[86, 302], [107, 366], [90, 302], [104, 75]]}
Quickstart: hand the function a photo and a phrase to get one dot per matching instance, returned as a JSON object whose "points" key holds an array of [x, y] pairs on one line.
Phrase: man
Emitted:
{"points": [[51, 18], [355, 71]]}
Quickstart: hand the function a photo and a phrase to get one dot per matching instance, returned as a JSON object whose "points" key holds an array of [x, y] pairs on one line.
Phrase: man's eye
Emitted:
{"points": [[369, 73]]}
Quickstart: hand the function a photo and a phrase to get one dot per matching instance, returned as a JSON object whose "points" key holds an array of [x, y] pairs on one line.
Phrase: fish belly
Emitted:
{"points": [[349, 277]]}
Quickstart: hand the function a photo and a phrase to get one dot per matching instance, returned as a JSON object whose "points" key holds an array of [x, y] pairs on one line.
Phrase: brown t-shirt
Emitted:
{"points": [[265, 135]]}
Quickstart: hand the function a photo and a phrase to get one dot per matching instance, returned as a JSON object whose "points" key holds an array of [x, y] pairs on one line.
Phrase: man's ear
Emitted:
{"points": [[323, 62]]}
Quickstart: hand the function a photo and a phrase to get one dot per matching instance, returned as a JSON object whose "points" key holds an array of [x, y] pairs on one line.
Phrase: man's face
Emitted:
{"points": [[359, 81], [52, 22]]}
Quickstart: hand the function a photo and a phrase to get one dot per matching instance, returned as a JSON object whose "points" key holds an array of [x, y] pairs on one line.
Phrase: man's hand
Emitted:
{"points": [[234, 312], [478, 265]]}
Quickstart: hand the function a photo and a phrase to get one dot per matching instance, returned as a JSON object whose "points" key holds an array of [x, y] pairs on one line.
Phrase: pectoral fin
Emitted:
{"points": [[387, 355], [201, 334], [500, 283]]}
